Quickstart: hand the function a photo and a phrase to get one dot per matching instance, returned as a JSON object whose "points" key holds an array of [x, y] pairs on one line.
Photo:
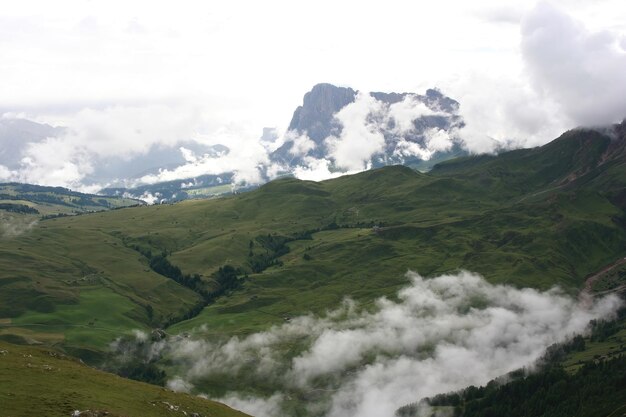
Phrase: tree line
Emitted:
{"points": [[18, 208], [226, 278]]}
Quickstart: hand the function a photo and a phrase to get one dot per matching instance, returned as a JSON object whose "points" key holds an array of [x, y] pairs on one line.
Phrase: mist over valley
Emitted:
{"points": [[314, 210]]}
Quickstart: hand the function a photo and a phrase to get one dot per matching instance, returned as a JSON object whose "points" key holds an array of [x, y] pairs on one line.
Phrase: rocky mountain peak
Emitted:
{"points": [[318, 108], [405, 140]]}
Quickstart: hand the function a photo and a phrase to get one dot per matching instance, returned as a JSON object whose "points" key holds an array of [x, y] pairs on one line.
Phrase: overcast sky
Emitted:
{"points": [[161, 72]]}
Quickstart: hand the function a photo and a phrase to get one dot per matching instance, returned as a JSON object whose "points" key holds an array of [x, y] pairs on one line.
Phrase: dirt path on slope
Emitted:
{"points": [[586, 295]]}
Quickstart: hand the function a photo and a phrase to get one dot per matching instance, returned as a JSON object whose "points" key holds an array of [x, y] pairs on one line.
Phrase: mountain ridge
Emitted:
{"points": [[226, 268], [460, 215], [317, 120]]}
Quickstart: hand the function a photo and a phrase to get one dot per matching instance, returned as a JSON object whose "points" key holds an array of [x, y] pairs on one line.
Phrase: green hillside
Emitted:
{"points": [[23, 205], [537, 217], [50, 201], [44, 382]]}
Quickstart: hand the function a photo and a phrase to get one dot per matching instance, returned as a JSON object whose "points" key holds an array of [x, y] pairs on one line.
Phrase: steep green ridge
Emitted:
{"points": [[535, 217], [44, 382]]}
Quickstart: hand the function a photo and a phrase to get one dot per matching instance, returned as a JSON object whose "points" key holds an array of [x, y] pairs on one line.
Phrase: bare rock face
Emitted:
{"points": [[317, 131], [316, 118]]}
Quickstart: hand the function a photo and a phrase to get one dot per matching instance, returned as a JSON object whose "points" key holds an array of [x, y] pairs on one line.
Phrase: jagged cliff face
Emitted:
{"points": [[411, 127], [316, 114], [334, 124]]}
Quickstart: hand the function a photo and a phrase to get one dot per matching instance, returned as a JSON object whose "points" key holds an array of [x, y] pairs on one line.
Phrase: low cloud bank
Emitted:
{"points": [[116, 145], [12, 226], [440, 334]]}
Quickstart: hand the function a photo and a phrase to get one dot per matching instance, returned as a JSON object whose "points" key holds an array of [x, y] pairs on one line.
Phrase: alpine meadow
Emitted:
{"points": [[447, 240]]}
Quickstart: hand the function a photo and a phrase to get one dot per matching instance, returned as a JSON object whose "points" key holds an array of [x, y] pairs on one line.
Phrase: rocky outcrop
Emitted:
{"points": [[316, 118], [319, 106]]}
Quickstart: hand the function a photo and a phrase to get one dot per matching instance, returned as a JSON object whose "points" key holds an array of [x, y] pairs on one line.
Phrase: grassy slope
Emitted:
{"points": [[57, 200], [60, 266], [54, 385], [594, 350], [530, 218]]}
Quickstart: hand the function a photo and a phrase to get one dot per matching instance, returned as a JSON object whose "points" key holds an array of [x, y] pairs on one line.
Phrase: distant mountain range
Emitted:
{"points": [[17, 135], [416, 130], [339, 128]]}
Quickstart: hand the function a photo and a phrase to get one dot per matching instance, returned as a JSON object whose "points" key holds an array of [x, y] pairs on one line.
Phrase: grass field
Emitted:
{"points": [[209, 191], [540, 217], [44, 382], [612, 346], [87, 323], [57, 200], [529, 218]]}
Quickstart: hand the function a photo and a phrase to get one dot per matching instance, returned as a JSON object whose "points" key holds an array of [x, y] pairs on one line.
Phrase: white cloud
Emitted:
{"points": [[405, 112], [54, 161], [583, 71], [249, 160], [441, 334], [405, 148], [438, 140], [188, 154], [366, 121], [127, 131], [564, 74], [502, 13], [179, 385], [258, 407], [123, 133], [360, 136], [500, 111], [435, 140], [302, 144], [12, 226], [93, 134], [148, 197], [316, 170], [5, 174], [126, 77]]}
